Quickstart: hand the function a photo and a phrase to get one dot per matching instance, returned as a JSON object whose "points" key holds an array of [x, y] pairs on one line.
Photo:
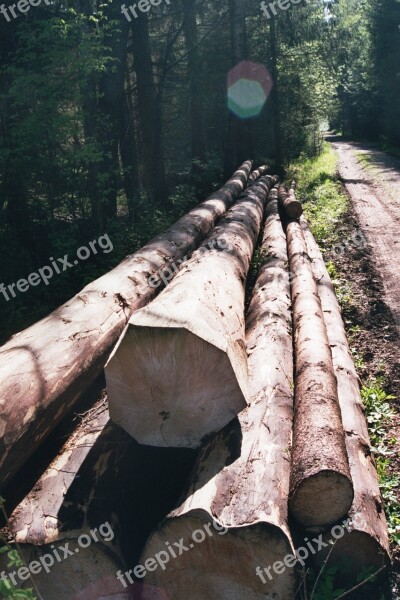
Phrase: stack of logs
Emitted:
{"points": [[270, 402]]}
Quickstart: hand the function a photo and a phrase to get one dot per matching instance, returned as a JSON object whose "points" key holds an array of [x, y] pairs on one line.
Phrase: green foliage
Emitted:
{"points": [[379, 414], [321, 194], [7, 590]]}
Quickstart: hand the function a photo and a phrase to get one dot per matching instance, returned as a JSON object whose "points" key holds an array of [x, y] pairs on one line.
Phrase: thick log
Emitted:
{"points": [[62, 570], [36, 520], [321, 488], [365, 544], [81, 488], [46, 368], [290, 205], [241, 479], [179, 371]]}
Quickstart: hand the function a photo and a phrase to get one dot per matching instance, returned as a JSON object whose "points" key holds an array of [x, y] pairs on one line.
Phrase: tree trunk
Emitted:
{"points": [[47, 367], [198, 130], [366, 545], [321, 490], [275, 95], [241, 479], [111, 93], [128, 152], [179, 372], [239, 140], [258, 173], [290, 205], [149, 113]]}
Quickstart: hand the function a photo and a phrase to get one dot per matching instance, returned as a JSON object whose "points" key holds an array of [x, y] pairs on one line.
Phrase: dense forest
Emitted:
{"points": [[113, 125]]}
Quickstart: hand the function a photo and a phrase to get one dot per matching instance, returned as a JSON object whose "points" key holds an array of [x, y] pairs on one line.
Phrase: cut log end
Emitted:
{"points": [[321, 499], [175, 410], [209, 567], [294, 209], [354, 554]]}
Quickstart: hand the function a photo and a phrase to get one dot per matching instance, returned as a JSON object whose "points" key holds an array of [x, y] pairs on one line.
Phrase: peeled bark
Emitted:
{"points": [[179, 372], [241, 479], [47, 367], [290, 205], [365, 543], [36, 519], [321, 490]]}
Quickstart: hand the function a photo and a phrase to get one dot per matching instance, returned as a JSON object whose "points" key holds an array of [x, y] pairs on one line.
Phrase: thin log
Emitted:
{"points": [[263, 170], [290, 205], [365, 544], [179, 372], [47, 367], [321, 490], [238, 490]]}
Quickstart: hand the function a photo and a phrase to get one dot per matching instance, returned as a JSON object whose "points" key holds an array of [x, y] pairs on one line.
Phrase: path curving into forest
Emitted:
{"points": [[372, 179]]}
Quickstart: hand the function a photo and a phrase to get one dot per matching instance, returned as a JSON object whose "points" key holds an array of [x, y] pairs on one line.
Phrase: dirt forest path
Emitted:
{"points": [[372, 179]]}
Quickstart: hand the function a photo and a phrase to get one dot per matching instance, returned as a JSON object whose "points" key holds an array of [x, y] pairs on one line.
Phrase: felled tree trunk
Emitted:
{"points": [[238, 490], [290, 205], [258, 173], [179, 372], [321, 488], [47, 367], [365, 543]]}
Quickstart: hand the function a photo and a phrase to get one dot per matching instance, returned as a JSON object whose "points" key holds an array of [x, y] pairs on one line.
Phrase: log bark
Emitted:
{"points": [[179, 372], [258, 173], [47, 367], [365, 543], [290, 205], [241, 479], [321, 490], [36, 519]]}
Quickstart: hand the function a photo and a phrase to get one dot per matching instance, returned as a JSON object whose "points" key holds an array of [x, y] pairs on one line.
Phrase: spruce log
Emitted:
{"points": [[36, 520], [258, 173], [47, 367], [290, 205], [365, 543], [241, 479], [63, 569], [321, 490], [179, 371]]}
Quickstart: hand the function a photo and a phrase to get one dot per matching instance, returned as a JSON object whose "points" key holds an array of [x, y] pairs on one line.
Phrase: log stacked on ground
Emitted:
{"points": [[367, 544], [179, 371], [46, 368], [290, 205], [258, 173], [237, 495], [321, 488]]}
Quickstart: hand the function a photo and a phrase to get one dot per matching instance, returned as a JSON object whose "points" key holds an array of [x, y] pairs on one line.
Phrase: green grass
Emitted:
{"points": [[379, 413], [14, 562], [321, 194]]}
